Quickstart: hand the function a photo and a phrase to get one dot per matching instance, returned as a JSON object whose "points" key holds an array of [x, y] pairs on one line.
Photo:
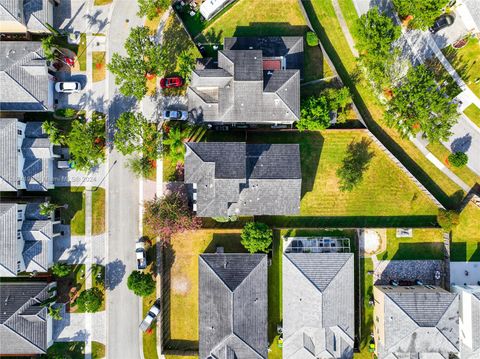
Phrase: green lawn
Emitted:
{"points": [[465, 173], [99, 66], [98, 281], [98, 211], [473, 113], [425, 244], [275, 296], [325, 23], [466, 63], [466, 236], [73, 350], [150, 338], [98, 350], [366, 282], [75, 213], [82, 52], [181, 263]]}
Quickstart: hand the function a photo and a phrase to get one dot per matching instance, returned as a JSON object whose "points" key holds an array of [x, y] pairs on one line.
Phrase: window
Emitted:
{"points": [[19, 132]]}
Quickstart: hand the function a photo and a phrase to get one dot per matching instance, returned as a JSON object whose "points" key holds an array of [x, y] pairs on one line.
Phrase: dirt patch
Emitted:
{"points": [[372, 241], [180, 285]]}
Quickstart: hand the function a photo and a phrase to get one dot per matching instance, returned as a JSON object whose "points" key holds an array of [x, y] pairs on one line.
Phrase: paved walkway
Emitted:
{"points": [[88, 266], [345, 29]]}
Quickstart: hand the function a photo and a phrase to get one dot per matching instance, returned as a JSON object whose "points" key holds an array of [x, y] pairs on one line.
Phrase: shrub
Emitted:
{"points": [[458, 159], [142, 284], [256, 237], [61, 270], [448, 219], [225, 219], [90, 300], [312, 39]]}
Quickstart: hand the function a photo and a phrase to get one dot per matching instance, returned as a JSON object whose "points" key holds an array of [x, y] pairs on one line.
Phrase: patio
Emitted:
{"points": [[316, 245]]}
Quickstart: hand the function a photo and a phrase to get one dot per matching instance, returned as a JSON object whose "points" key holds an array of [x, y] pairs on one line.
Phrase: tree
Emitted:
{"points": [[424, 12], [256, 237], [312, 38], [448, 219], [54, 313], [55, 135], [458, 159], [375, 33], [135, 134], [338, 100], [61, 269], [143, 57], [176, 143], [142, 284], [151, 8], [186, 64], [86, 142], [354, 164], [48, 47], [46, 208], [140, 166], [168, 215], [90, 300], [419, 105]]}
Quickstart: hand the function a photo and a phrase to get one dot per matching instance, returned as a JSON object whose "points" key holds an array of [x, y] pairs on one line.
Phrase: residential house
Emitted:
{"points": [[27, 239], [256, 81], [234, 178], [318, 305], [233, 306], [25, 326], [420, 320], [469, 320], [22, 16], [25, 84], [26, 156]]}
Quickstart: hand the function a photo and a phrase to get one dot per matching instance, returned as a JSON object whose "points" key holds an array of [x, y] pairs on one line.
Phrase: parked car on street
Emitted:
{"points": [[168, 82], [442, 22], [175, 115], [150, 317], [68, 87], [141, 255]]}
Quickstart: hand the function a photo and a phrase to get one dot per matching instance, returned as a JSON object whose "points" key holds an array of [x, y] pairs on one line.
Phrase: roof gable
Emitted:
{"points": [[8, 154]]}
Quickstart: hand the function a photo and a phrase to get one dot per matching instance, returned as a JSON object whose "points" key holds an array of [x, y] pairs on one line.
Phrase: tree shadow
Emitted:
{"points": [[461, 144], [229, 241], [114, 273], [459, 63], [355, 164], [118, 105], [259, 29]]}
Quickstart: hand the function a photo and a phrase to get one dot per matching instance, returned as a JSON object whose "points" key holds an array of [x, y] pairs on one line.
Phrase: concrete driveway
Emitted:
{"points": [[80, 15], [74, 249], [72, 327], [75, 100]]}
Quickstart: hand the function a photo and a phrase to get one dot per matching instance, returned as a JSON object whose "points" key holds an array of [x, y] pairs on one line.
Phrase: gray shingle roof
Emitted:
{"points": [[233, 306], [37, 14], [420, 320], [318, 305], [8, 154], [235, 178], [37, 233], [23, 323], [24, 81], [239, 90]]}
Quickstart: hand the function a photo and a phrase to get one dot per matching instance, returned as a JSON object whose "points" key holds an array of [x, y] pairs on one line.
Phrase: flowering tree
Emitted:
{"points": [[168, 215]]}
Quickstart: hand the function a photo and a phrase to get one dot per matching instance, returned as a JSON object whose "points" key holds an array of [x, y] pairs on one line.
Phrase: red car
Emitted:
{"points": [[167, 82]]}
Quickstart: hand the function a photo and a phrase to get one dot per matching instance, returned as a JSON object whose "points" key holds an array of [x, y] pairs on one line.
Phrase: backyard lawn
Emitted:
{"points": [[466, 236], [181, 304], [275, 296], [466, 63], [425, 244], [473, 113], [75, 213], [98, 211], [465, 173], [366, 282]]}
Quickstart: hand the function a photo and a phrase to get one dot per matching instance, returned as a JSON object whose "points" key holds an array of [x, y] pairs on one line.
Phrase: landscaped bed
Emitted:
{"points": [[69, 287], [74, 215]]}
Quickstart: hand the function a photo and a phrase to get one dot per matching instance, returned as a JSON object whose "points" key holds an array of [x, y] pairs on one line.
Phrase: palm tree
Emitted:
{"points": [[46, 208], [140, 166], [54, 313], [55, 135], [186, 63], [48, 46], [175, 142]]}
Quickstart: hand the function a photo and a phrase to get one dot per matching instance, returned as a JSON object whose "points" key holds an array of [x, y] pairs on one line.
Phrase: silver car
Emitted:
{"points": [[175, 115], [68, 87]]}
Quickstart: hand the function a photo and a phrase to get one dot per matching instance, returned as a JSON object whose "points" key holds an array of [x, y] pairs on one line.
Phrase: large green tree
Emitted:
{"points": [[142, 284], [418, 104], [186, 64], [151, 8], [90, 300], [424, 12], [135, 134], [175, 141], [375, 33], [144, 57], [256, 237]]}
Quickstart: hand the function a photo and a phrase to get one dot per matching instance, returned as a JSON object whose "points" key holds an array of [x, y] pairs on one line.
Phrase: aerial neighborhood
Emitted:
{"points": [[240, 179]]}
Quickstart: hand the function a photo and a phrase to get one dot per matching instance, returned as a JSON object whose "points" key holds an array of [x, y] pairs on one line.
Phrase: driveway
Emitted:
{"points": [[72, 327], [80, 15], [423, 270], [75, 100], [74, 249]]}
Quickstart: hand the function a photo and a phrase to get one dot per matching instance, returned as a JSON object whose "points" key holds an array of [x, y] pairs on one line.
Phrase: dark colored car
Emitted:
{"points": [[442, 22], [168, 82]]}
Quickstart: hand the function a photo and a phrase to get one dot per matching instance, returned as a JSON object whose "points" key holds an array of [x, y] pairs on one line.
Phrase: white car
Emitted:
{"points": [[175, 115], [151, 315], [68, 87], [141, 255]]}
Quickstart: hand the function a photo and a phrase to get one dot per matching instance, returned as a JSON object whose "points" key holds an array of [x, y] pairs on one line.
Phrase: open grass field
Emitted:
{"points": [[465, 173], [466, 237], [181, 264], [75, 213], [473, 113], [327, 27], [425, 244], [465, 61], [99, 66]]}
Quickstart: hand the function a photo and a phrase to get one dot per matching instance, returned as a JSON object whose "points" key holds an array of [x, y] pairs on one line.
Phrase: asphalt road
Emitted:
{"points": [[123, 309]]}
